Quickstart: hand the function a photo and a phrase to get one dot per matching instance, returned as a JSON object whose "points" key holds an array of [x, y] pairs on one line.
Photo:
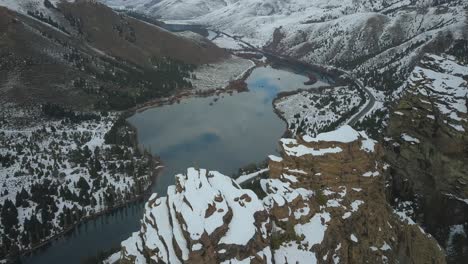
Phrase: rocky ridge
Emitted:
{"points": [[323, 202]]}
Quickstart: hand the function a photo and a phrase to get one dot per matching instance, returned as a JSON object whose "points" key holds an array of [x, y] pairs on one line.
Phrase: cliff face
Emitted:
{"points": [[324, 202], [427, 144], [344, 172]]}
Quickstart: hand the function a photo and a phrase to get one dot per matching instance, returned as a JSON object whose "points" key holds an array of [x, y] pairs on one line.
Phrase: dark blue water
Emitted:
{"points": [[224, 135]]}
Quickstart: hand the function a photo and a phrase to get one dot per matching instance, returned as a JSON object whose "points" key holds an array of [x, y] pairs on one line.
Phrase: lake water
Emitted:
{"points": [[220, 133]]}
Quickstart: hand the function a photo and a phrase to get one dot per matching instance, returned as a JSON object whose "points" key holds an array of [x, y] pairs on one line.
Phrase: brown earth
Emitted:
{"points": [[40, 63], [133, 40]]}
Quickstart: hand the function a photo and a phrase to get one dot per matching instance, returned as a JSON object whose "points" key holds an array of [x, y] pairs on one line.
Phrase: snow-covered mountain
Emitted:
{"points": [[189, 9], [171, 9], [257, 19], [381, 37]]}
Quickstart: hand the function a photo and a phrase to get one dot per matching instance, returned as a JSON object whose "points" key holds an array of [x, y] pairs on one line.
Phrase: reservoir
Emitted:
{"points": [[223, 133]]}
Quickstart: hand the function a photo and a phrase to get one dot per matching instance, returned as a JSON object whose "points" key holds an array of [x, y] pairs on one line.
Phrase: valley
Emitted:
{"points": [[203, 137], [239, 131]]}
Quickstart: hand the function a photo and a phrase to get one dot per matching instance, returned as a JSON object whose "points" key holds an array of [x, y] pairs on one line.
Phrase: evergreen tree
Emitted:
{"points": [[9, 215]]}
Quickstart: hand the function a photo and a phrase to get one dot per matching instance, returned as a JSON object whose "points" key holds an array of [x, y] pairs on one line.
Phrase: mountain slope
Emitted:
{"points": [[171, 9], [87, 55]]}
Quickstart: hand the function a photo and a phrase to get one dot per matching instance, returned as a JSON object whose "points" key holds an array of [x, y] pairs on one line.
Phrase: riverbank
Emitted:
{"points": [[238, 85], [336, 74], [58, 166], [94, 216]]}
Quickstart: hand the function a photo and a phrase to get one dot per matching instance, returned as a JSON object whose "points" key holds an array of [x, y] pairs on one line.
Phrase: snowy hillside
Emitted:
{"points": [[256, 20], [23, 6], [310, 112], [57, 173], [171, 9]]}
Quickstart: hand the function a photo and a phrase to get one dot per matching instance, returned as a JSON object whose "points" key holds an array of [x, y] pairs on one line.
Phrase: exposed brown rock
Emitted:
{"points": [[325, 201]]}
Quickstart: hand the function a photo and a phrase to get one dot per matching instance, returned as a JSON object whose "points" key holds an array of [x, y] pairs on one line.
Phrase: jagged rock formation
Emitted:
{"points": [[205, 218], [426, 145], [324, 202]]}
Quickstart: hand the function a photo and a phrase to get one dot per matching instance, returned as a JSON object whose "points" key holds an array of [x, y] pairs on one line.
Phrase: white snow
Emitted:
{"points": [[344, 134], [114, 258], [314, 230], [355, 205], [409, 138], [313, 110], [291, 253], [197, 206], [371, 174], [218, 75], [385, 247], [197, 247], [346, 215], [296, 171], [245, 178], [226, 42], [275, 158], [368, 144], [290, 178], [292, 148]]}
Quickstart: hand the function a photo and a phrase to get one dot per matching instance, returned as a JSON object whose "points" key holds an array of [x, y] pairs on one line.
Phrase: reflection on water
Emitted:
{"points": [[88, 239], [223, 135]]}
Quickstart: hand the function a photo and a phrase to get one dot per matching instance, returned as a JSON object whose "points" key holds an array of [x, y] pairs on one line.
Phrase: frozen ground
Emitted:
{"points": [[310, 112], [218, 75]]}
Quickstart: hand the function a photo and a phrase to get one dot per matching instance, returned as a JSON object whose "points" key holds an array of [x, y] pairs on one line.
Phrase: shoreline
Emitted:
{"points": [[156, 173], [238, 85], [287, 133]]}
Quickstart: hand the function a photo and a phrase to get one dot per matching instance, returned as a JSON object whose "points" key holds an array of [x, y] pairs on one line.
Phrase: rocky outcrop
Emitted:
{"points": [[205, 218], [427, 143], [343, 171], [324, 202]]}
